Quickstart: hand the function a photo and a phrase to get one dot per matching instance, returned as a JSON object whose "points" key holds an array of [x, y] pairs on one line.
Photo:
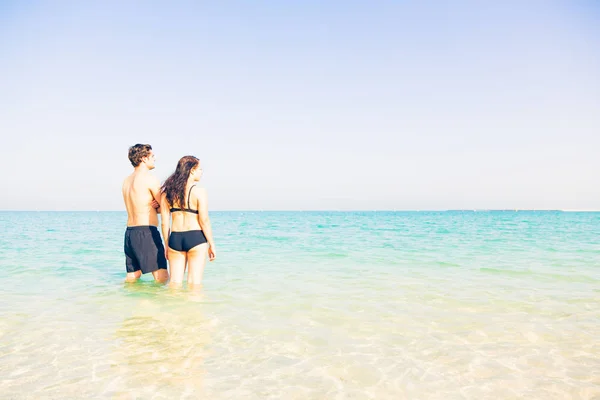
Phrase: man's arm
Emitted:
{"points": [[155, 191]]}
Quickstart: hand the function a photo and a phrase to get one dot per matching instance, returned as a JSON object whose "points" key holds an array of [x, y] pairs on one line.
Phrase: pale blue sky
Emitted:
{"points": [[304, 105]]}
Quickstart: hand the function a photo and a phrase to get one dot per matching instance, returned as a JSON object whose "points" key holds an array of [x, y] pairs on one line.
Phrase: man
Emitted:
{"points": [[144, 250]]}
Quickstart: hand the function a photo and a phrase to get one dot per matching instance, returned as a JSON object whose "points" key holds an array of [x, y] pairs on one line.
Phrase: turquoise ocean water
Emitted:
{"points": [[308, 305]]}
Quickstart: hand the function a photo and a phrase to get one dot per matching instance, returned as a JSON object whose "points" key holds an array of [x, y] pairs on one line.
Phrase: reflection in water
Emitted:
{"points": [[162, 345]]}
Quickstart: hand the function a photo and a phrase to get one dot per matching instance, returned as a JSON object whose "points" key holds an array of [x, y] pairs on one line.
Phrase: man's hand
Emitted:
{"points": [[155, 204]]}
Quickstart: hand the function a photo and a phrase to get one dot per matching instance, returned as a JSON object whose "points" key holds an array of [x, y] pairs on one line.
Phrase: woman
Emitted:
{"points": [[189, 237]]}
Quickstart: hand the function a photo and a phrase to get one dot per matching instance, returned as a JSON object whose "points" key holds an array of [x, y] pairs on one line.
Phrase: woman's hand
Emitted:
{"points": [[212, 254]]}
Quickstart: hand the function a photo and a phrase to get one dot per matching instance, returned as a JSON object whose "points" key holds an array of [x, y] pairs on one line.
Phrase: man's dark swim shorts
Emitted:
{"points": [[144, 249]]}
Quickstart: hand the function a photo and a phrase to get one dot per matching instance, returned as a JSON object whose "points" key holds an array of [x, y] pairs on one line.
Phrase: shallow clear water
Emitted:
{"points": [[308, 305]]}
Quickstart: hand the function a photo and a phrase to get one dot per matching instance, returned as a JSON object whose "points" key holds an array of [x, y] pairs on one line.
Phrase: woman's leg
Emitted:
{"points": [[177, 261], [196, 263]]}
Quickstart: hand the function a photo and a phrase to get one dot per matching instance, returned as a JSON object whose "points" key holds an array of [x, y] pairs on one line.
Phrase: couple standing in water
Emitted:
{"points": [[185, 223]]}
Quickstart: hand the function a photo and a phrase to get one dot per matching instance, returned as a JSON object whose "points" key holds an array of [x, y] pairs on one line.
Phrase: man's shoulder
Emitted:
{"points": [[152, 178], [149, 179], [127, 180]]}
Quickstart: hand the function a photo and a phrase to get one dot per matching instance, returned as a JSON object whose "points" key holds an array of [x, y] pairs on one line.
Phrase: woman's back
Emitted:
{"points": [[185, 217]]}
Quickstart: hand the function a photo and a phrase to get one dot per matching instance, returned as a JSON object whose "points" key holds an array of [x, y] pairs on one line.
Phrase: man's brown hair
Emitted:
{"points": [[137, 152]]}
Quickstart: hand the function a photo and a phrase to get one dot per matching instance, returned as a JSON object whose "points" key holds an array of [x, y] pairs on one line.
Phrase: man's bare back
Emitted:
{"points": [[139, 189]]}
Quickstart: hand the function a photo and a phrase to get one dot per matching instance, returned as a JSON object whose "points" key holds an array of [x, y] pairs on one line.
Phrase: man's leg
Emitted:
{"points": [[161, 276], [131, 266], [133, 276], [155, 256], [145, 253]]}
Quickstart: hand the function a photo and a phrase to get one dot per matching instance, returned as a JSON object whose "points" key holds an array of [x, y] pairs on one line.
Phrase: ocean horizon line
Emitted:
{"points": [[344, 211]]}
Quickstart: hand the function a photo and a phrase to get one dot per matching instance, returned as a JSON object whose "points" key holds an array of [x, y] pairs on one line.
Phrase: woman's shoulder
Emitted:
{"points": [[198, 190]]}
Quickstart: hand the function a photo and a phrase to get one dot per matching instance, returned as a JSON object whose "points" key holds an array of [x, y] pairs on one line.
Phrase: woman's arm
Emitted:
{"points": [[165, 219], [204, 221]]}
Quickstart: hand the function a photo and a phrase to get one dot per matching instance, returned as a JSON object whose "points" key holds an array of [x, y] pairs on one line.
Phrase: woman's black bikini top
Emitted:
{"points": [[186, 209]]}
